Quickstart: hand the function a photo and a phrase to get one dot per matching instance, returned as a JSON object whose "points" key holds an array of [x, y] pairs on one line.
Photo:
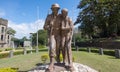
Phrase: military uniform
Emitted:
{"points": [[66, 33], [50, 23], [66, 38]]}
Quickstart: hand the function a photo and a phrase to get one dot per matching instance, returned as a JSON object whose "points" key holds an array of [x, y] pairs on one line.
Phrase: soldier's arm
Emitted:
{"points": [[46, 25], [71, 24], [71, 27]]}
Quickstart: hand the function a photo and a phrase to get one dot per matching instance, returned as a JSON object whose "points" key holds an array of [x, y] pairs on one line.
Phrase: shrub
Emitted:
{"points": [[4, 55], [8, 49], [18, 52], [0, 50], [94, 50], [8, 70], [19, 48], [109, 52], [44, 58], [41, 46], [73, 59], [61, 57], [29, 51]]}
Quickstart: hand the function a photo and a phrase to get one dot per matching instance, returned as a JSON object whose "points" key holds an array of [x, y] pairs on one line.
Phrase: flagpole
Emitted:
{"points": [[37, 27]]}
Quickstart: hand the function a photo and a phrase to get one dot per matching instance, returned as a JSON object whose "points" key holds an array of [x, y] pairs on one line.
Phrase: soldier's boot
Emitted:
{"points": [[64, 60], [58, 57], [63, 55], [71, 68], [51, 65]]}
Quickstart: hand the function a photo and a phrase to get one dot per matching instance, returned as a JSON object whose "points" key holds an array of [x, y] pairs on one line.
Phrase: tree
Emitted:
{"points": [[99, 17], [21, 41], [42, 37], [11, 31]]}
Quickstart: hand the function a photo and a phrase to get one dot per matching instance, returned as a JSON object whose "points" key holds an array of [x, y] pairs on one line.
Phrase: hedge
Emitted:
{"points": [[8, 49], [4, 55], [0, 50], [18, 52], [8, 70]]}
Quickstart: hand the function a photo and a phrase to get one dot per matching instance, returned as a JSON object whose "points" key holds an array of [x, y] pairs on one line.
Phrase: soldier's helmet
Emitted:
{"points": [[55, 6], [64, 9]]}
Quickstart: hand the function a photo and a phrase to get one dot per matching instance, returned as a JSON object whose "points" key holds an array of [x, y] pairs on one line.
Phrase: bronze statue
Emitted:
{"points": [[66, 38], [60, 30], [49, 23]]}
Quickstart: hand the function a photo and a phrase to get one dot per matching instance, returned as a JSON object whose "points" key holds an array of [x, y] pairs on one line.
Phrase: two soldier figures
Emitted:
{"points": [[60, 31]]}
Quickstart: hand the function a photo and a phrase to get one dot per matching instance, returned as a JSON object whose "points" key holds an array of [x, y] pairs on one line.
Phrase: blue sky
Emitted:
{"points": [[22, 14]]}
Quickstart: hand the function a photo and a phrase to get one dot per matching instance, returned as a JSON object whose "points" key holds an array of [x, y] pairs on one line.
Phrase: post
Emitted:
{"points": [[88, 49], [36, 50], [37, 27], [117, 53], [25, 51], [74, 40], [101, 51], [76, 48], [31, 43], [11, 53]]}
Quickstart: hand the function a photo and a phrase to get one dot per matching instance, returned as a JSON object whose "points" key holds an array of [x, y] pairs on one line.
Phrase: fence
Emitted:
{"points": [[101, 46], [24, 51]]}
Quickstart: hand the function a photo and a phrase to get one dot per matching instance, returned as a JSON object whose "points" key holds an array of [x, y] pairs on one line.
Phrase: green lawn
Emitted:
{"points": [[23, 62], [102, 63]]}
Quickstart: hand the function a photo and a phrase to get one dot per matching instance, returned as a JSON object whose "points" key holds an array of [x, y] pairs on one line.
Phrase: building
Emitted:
{"points": [[5, 39], [27, 44]]}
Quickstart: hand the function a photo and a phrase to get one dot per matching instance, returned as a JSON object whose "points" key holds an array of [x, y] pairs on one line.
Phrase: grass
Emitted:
{"points": [[102, 63], [23, 62]]}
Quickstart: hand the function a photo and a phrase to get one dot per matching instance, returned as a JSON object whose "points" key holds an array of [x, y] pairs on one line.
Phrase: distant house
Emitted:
{"points": [[5, 39]]}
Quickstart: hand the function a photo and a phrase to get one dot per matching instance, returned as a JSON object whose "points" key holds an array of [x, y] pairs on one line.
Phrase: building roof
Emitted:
{"points": [[3, 22]]}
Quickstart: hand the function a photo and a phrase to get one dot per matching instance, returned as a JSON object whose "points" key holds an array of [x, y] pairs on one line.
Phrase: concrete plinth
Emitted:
{"points": [[60, 68]]}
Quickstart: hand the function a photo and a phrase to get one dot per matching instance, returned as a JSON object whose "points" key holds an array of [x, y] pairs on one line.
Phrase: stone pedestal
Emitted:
{"points": [[60, 68], [36, 50], [25, 51], [11, 53], [117, 53], [101, 51], [88, 49], [76, 48]]}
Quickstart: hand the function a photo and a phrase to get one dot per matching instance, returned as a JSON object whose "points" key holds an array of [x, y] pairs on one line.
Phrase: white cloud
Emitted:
{"points": [[24, 29]]}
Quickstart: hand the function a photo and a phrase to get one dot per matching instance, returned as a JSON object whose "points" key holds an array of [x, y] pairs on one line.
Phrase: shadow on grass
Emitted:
{"points": [[38, 64]]}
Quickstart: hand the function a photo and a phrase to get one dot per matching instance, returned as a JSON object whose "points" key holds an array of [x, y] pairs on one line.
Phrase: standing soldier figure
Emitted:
{"points": [[49, 26], [66, 38]]}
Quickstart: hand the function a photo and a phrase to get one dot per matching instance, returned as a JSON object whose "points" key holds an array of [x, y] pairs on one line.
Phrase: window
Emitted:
{"points": [[2, 30], [8, 36], [1, 37]]}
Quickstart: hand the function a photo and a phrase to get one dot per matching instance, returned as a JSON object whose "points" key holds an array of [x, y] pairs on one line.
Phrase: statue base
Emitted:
{"points": [[61, 68]]}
